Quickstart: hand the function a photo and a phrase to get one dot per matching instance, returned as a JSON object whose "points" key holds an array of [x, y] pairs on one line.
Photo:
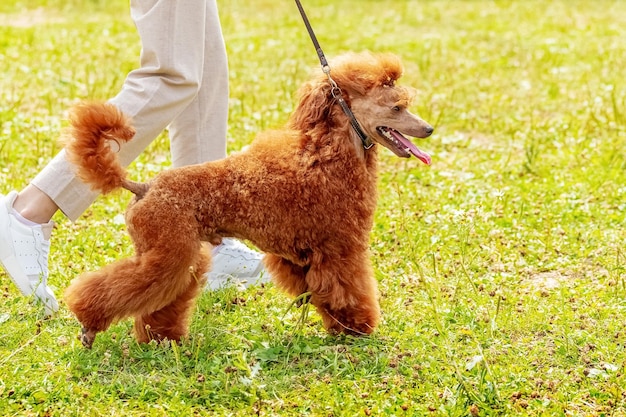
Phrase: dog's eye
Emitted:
{"points": [[396, 108]]}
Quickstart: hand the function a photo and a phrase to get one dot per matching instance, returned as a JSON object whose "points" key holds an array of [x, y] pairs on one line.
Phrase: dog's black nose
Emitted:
{"points": [[429, 130]]}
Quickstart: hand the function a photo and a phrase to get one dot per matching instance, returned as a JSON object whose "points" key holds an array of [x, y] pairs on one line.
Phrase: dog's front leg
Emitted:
{"points": [[345, 294], [287, 276]]}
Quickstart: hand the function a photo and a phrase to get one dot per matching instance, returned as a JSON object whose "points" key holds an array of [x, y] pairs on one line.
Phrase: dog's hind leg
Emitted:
{"points": [[344, 292], [135, 286], [172, 321]]}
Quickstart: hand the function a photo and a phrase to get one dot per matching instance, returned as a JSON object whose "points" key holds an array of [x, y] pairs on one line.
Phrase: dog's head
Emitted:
{"points": [[368, 84]]}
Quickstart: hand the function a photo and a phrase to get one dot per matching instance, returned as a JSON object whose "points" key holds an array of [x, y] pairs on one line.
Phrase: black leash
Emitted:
{"points": [[335, 90]]}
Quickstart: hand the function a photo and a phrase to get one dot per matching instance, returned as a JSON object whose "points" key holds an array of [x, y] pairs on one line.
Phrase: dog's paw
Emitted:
{"points": [[350, 328], [87, 337], [350, 321]]}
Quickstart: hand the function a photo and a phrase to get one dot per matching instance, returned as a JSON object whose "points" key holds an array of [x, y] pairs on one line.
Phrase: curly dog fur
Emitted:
{"points": [[305, 195]]}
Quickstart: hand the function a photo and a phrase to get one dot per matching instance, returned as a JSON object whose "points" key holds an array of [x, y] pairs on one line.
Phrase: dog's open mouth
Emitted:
{"points": [[401, 146]]}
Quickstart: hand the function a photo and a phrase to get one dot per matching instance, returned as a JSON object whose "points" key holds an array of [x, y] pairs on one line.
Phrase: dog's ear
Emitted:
{"points": [[355, 74], [314, 106]]}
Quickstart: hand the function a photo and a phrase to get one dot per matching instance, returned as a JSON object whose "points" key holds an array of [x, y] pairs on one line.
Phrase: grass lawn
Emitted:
{"points": [[502, 267]]}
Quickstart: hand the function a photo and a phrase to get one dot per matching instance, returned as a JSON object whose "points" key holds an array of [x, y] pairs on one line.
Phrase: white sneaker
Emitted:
{"points": [[235, 263], [24, 254]]}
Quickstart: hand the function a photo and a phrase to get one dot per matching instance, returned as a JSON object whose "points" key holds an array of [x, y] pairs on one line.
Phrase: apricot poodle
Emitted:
{"points": [[305, 195]]}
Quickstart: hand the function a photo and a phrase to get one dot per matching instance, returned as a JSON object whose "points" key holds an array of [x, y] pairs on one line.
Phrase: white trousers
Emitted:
{"points": [[182, 82]]}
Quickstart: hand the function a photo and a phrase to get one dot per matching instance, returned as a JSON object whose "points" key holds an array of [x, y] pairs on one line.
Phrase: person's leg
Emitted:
{"points": [[166, 83], [198, 135], [153, 95]]}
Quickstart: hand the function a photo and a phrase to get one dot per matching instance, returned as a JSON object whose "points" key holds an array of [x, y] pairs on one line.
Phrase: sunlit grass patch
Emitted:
{"points": [[501, 267]]}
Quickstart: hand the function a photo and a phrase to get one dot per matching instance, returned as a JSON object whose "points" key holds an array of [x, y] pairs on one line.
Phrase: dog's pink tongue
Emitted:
{"points": [[419, 154]]}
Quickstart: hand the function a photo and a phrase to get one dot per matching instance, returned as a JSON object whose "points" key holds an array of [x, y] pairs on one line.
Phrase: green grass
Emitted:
{"points": [[502, 266]]}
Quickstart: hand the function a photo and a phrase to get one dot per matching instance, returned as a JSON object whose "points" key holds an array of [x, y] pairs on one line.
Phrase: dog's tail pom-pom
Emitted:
{"points": [[96, 132]]}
